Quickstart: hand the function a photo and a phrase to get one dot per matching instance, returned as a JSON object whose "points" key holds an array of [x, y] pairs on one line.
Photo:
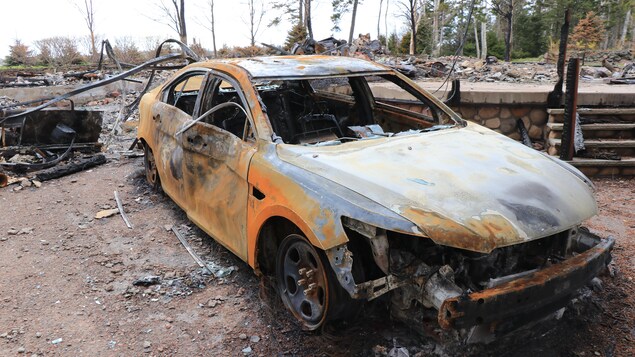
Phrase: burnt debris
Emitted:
{"points": [[42, 141]]}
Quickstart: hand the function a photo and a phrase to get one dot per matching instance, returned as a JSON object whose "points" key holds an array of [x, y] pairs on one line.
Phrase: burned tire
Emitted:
{"points": [[152, 174], [304, 283]]}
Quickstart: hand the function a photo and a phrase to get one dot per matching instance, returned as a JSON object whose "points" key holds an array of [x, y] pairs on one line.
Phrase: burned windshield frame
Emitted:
{"points": [[301, 113], [431, 101]]}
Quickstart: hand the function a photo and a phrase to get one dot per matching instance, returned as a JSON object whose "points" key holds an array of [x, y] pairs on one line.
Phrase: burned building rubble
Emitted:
{"points": [[44, 137]]}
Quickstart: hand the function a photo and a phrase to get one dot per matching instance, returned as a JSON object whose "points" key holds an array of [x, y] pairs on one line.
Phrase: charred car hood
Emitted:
{"points": [[468, 188]]}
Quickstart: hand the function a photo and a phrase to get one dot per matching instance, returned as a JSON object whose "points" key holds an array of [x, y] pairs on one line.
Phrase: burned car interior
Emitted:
{"points": [[313, 111], [307, 111]]}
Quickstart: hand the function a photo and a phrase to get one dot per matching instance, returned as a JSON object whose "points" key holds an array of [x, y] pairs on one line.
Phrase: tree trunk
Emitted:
{"points": [[459, 34], [350, 34], [213, 29], [478, 48], [71, 167], [508, 37], [381, 3], [386, 22], [252, 19], [627, 19], [93, 48], [301, 12], [182, 27], [413, 27], [435, 29], [307, 18], [483, 40], [605, 42]]}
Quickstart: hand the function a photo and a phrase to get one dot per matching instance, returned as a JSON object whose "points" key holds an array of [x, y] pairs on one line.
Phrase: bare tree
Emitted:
{"points": [[505, 9], [174, 17], [381, 4], [627, 19], [483, 40], [88, 12], [353, 18], [386, 21], [478, 47], [340, 7], [209, 23], [255, 19], [307, 17], [297, 11], [411, 11]]}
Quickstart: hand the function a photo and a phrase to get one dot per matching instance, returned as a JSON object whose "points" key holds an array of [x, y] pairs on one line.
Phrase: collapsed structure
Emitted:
{"points": [[38, 138]]}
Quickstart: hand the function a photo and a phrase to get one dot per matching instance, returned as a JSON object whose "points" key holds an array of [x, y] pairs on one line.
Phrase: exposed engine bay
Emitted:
{"points": [[475, 293]]}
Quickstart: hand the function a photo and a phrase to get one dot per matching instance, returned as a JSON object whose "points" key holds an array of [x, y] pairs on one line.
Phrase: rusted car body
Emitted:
{"points": [[306, 169]]}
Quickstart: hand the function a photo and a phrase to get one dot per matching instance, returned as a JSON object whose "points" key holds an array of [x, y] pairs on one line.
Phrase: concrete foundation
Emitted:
{"points": [[35, 93]]}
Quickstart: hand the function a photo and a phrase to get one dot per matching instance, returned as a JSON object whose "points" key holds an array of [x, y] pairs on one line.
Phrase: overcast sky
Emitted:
{"points": [[30, 20]]}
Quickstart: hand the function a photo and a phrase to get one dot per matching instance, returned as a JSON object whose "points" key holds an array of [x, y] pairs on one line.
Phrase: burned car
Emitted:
{"points": [[345, 181]]}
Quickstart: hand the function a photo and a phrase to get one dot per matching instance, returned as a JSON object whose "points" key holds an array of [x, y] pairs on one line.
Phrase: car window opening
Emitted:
{"points": [[336, 110], [230, 118], [183, 94]]}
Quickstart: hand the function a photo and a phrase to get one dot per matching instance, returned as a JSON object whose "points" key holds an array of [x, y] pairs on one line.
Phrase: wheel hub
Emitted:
{"points": [[302, 281]]}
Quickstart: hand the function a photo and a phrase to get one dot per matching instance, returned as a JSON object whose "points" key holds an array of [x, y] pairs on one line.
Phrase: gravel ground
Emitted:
{"points": [[67, 284]]}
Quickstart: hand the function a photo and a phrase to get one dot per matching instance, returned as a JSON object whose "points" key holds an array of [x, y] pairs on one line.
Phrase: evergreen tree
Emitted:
{"points": [[297, 33], [587, 33], [19, 54]]}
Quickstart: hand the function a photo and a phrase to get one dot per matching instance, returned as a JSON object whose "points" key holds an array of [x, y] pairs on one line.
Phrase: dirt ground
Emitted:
{"points": [[66, 284]]}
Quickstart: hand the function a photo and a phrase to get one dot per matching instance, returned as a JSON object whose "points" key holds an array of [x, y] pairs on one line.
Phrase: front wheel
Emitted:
{"points": [[303, 282]]}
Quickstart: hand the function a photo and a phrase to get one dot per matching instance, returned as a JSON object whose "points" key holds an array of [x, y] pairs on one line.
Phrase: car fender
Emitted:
{"points": [[314, 204]]}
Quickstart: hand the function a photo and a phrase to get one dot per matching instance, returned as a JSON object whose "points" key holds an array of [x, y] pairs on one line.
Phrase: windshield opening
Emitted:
{"points": [[335, 110]]}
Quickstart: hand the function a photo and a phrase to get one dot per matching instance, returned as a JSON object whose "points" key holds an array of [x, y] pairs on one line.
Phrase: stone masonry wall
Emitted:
{"points": [[502, 118]]}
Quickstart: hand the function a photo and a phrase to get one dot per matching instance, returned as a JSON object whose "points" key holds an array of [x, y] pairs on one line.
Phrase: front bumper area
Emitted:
{"points": [[527, 298]]}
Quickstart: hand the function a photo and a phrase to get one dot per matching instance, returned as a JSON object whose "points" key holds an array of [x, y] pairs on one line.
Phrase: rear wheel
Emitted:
{"points": [[303, 281], [152, 174]]}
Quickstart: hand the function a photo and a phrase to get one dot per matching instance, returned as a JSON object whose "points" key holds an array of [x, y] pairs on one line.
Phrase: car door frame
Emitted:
{"points": [[215, 172], [168, 148]]}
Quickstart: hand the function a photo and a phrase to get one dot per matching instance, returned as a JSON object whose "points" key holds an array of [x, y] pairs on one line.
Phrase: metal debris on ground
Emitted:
{"points": [[121, 211], [210, 267], [147, 280], [189, 249]]}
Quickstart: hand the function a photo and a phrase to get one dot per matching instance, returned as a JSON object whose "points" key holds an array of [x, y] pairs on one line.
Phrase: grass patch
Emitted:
{"points": [[528, 59], [22, 67]]}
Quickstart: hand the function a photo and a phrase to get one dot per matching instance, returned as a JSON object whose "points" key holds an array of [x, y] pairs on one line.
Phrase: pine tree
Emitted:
{"points": [[297, 33], [588, 33], [19, 54]]}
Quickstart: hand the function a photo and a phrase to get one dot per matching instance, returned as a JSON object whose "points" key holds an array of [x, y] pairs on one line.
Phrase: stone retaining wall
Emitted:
{"points": [[497, 110], [502, 118]]}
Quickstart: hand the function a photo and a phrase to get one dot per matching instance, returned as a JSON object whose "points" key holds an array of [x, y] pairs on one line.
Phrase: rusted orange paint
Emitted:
{"points": [[481, 234], [287, 199]]}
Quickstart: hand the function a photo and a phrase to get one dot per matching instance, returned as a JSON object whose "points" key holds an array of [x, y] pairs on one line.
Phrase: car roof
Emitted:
{"points": [[302, 66]]}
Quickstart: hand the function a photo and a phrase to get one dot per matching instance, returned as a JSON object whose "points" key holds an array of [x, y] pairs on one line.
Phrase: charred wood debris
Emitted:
{"points": [[48, 138]]}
